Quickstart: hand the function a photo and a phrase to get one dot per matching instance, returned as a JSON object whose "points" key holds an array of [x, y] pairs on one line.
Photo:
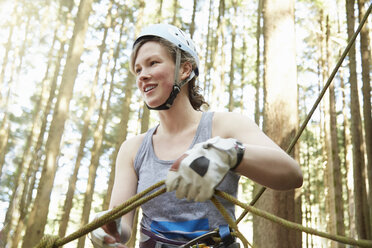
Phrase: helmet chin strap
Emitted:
{"points": [[176, 86]]}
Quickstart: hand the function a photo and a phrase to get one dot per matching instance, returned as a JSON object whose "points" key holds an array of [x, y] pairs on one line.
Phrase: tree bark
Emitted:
{"points": [[192, 25], [336, 164], [232, 63], [121, 135], [207, 61], [346, 140], [4, 136], [218, 89], [365, 51], [67, 206], [94, 162], [23, 165], [280, 118], [8, 45], [257, 112], [361, 205], [39, 213], [33, 166]]}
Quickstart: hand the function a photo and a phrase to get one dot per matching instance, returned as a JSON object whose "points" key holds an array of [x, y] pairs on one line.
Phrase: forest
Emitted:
{"points": [[300, 69]]}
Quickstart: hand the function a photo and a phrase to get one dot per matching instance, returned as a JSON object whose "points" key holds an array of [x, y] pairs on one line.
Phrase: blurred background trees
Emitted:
{"points": [[68, 100]]}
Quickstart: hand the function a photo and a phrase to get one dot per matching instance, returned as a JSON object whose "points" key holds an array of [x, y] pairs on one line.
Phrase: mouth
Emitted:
{"points": [[149, 88]]}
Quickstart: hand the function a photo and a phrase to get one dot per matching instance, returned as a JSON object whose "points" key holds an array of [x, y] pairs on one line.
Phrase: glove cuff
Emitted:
{"points": [[240, 149]]}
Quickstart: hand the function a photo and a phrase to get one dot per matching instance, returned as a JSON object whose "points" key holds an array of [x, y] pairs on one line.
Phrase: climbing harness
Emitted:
{"points": [[222, 237], [225, 234]]}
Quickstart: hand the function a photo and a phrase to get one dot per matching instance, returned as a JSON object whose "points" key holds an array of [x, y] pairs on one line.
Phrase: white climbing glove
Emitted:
{"points": [[196, 173], [97, 236]]}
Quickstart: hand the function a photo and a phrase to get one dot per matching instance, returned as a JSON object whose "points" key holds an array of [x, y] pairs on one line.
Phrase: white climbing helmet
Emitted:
{"points": [[183, 42], [172, 34]]}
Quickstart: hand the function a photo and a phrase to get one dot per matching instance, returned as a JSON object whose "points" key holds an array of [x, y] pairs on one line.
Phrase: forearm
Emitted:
{"points": [[126, 231], [270, 167]]}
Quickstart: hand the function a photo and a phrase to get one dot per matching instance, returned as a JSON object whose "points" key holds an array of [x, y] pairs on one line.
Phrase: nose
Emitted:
{"points": [[144, 75]]}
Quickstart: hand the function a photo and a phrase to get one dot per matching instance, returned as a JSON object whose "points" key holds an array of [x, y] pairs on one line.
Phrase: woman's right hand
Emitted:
{"points": [[113, 235], [108, 235]]}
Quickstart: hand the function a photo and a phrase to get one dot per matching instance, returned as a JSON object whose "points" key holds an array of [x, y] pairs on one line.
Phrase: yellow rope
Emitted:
{"points": [[113, 214], [230, 221], [49, 241], [292, 225]]}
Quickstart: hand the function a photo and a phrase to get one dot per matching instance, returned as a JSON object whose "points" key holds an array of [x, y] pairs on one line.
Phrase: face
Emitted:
{"points": [[154, 68]]}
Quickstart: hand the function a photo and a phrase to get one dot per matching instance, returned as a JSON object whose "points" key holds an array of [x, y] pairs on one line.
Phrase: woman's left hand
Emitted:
{"points": [[196, 173]]}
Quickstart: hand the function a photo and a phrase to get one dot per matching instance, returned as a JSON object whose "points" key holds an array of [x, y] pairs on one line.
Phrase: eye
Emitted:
{"points": [[137, 71], [154, 62]]}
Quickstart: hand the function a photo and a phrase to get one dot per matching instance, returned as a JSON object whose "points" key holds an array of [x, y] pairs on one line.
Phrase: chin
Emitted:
{"points": [[154, 104]]}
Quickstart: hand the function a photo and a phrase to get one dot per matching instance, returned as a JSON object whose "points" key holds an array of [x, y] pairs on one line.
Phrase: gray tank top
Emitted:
{"points": [[168, 216]]}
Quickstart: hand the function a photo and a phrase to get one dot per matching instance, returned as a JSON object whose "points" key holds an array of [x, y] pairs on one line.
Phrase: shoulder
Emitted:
{"points": [[230, 124], [129, 147]]}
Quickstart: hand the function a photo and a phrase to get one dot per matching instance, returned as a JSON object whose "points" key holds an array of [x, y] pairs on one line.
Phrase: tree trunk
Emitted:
{"points": [[280, 118], [360, 194], [232, 63], [207, 61], [67, 206], [336, 168], [159, 13], [4, 136], [33, 166], [25, 161], [218, 89], [346, 140], [175, 8], [39, 213], [94, 162], [8, 45], [121, 135], [328, 175], [257, 112], [366, 89], [23, 49], [192, 25]]}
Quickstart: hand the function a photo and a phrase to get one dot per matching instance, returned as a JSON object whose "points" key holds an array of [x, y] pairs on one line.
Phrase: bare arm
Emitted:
{"points": [[264, 161], [125, 183]]}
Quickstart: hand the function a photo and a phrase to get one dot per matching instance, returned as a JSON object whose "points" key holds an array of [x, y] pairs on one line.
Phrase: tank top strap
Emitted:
{"points": [[144, 149], [204, 130]]}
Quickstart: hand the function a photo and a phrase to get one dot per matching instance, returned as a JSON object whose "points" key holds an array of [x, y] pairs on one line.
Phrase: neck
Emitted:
{"points": [[179, 117]]}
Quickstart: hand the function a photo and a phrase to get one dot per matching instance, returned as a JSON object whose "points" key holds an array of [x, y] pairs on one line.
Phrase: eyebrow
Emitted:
{"points": [[151, 57]]}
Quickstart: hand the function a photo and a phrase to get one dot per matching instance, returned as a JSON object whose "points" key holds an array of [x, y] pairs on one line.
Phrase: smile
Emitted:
{"points": [[148, 88]]}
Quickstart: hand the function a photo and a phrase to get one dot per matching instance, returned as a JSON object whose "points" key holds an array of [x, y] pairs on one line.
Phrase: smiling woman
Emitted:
{"points": [[154, 70], [196, 152], [35, 37], [172, 41]]}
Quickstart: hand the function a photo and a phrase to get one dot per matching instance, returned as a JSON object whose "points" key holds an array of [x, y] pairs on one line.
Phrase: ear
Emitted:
{"points": [[185, 70]]}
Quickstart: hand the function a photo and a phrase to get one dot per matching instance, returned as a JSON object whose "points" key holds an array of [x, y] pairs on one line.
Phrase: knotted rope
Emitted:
{"points": [[50, 241]]}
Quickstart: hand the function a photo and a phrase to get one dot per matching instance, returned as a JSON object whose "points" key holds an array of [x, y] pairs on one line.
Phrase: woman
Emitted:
{"points": [[194, 151]]}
